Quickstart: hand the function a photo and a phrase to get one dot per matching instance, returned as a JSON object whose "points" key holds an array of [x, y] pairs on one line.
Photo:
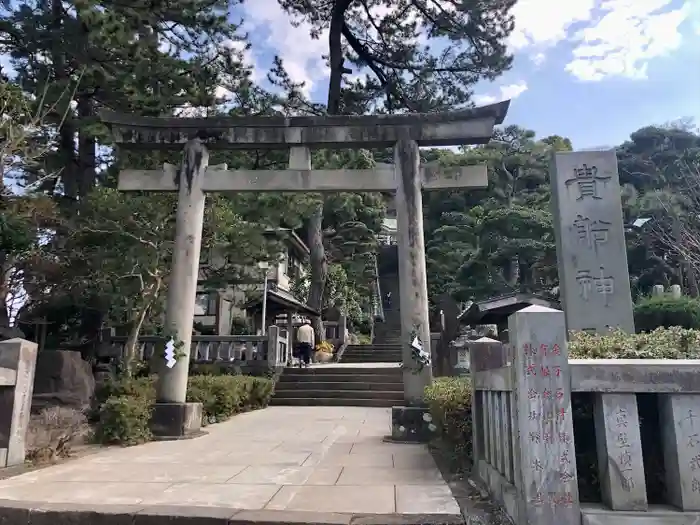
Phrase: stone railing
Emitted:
{"points": [[211, 348], [524, 430], [17, 366]]}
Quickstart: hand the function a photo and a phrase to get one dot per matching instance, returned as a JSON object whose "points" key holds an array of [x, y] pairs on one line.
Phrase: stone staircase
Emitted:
{"points": [[374, 353], [367, 375], [334, 385]]}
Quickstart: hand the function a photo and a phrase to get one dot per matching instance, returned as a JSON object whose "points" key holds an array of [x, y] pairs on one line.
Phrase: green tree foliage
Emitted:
{"points": [[414, 55], [482, 243], [660, 170]]}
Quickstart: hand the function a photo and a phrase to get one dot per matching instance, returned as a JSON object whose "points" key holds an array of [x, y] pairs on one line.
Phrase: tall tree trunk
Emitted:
{"points": [[131, 346], [86, 148], [6, 264], [150, 295], [67, 130], [319, 269], [335, 53], [319, 261], [693, 289]]}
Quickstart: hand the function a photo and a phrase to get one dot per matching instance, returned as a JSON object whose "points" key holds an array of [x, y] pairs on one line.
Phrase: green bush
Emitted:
{"points": [[124, 420], [124, 406], [224, 395], [450, 402], [662, 343], [665, 311], [143, 387]]}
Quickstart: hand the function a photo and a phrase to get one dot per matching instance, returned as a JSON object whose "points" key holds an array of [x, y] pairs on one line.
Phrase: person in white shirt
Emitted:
{"points": [[305, 343]]}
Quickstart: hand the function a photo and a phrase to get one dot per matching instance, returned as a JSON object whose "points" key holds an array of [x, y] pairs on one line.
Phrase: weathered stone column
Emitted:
{"points": [[413, 281], [412, 422], [172, 416]]}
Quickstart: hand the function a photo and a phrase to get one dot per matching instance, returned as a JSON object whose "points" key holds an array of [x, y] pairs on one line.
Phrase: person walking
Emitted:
{"points": [[305, 341], [388, 300]]}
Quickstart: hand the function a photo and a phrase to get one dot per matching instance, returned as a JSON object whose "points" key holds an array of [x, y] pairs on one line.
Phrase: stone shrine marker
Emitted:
{"points": [[591, 250]]}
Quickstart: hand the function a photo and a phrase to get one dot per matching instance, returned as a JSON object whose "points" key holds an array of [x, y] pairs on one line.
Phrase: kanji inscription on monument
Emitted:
{"points": [[547, 459], [590, 235]]}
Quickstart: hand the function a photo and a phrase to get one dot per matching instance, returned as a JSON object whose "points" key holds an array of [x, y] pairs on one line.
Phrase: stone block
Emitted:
{"points": [[679, 417], [176, 420], [412, 424], [487, 354], [657, 290], [16, 400], [620, 457], [62, 378], [676, 291]]}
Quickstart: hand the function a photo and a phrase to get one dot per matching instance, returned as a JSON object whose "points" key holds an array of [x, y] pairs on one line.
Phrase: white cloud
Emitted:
{"points": [[507, 92], [628, 35], [302, 55], [544, 23], [610, 37], [538, 58]]}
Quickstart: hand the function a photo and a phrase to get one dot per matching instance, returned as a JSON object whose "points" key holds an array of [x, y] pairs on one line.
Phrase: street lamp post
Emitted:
{"points": [[265, 266]]}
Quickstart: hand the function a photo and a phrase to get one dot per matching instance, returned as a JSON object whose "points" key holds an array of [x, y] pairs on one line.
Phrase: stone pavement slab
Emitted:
{"points": [[292, 459]]}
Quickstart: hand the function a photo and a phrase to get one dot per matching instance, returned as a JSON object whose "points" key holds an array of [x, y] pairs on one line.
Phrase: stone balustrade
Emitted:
{"points": [[213, 348], [17, 367], [526, 436]]}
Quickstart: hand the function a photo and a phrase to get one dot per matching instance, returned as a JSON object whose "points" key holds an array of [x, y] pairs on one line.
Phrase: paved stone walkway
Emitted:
{"points": [[318, 459]]}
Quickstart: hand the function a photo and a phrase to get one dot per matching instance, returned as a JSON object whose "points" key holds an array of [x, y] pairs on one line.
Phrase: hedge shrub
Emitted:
{"points": [[450, 402], [123, 420], [665, 311], [125, 406], [661, 343]]}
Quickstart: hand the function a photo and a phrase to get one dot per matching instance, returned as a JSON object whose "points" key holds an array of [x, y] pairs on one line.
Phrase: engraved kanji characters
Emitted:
{"points": [[601, 284], [587, 180], [591, 233]]}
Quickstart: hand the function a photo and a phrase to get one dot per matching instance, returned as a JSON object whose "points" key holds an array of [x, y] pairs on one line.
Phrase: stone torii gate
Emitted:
{"points": [[173, 417]]}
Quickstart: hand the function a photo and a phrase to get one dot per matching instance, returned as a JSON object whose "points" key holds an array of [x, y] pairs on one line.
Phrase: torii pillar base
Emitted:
{"points": [[411, 424], [173, 421]]}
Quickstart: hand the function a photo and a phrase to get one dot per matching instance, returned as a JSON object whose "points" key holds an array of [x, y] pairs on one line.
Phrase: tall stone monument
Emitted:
{"points": [[591, 250]]}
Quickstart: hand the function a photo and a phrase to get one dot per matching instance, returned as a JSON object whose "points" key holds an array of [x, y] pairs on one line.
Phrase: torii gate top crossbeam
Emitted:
{"points": [[471, 126]]}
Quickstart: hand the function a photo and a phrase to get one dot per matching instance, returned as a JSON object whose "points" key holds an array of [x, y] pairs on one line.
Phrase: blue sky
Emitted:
{"points": [[591, 70]]}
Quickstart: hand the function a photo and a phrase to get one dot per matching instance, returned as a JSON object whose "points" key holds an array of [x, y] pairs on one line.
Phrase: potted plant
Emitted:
{"points": [[324, 352]]}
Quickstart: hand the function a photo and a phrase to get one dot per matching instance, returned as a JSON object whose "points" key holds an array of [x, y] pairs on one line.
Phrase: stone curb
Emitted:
{"points": [[32, 513]]}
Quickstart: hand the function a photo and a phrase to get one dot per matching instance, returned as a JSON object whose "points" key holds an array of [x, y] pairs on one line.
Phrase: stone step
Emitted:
{"points": [[336, 402], [372, 346], [391, 356], [389, 386], [371, 359], [395, 395], [336, 371], [394, 351], [330, 378]]}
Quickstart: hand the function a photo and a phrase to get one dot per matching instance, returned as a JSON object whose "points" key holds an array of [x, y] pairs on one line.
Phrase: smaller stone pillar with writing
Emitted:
{"points": [[545, 459]]}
